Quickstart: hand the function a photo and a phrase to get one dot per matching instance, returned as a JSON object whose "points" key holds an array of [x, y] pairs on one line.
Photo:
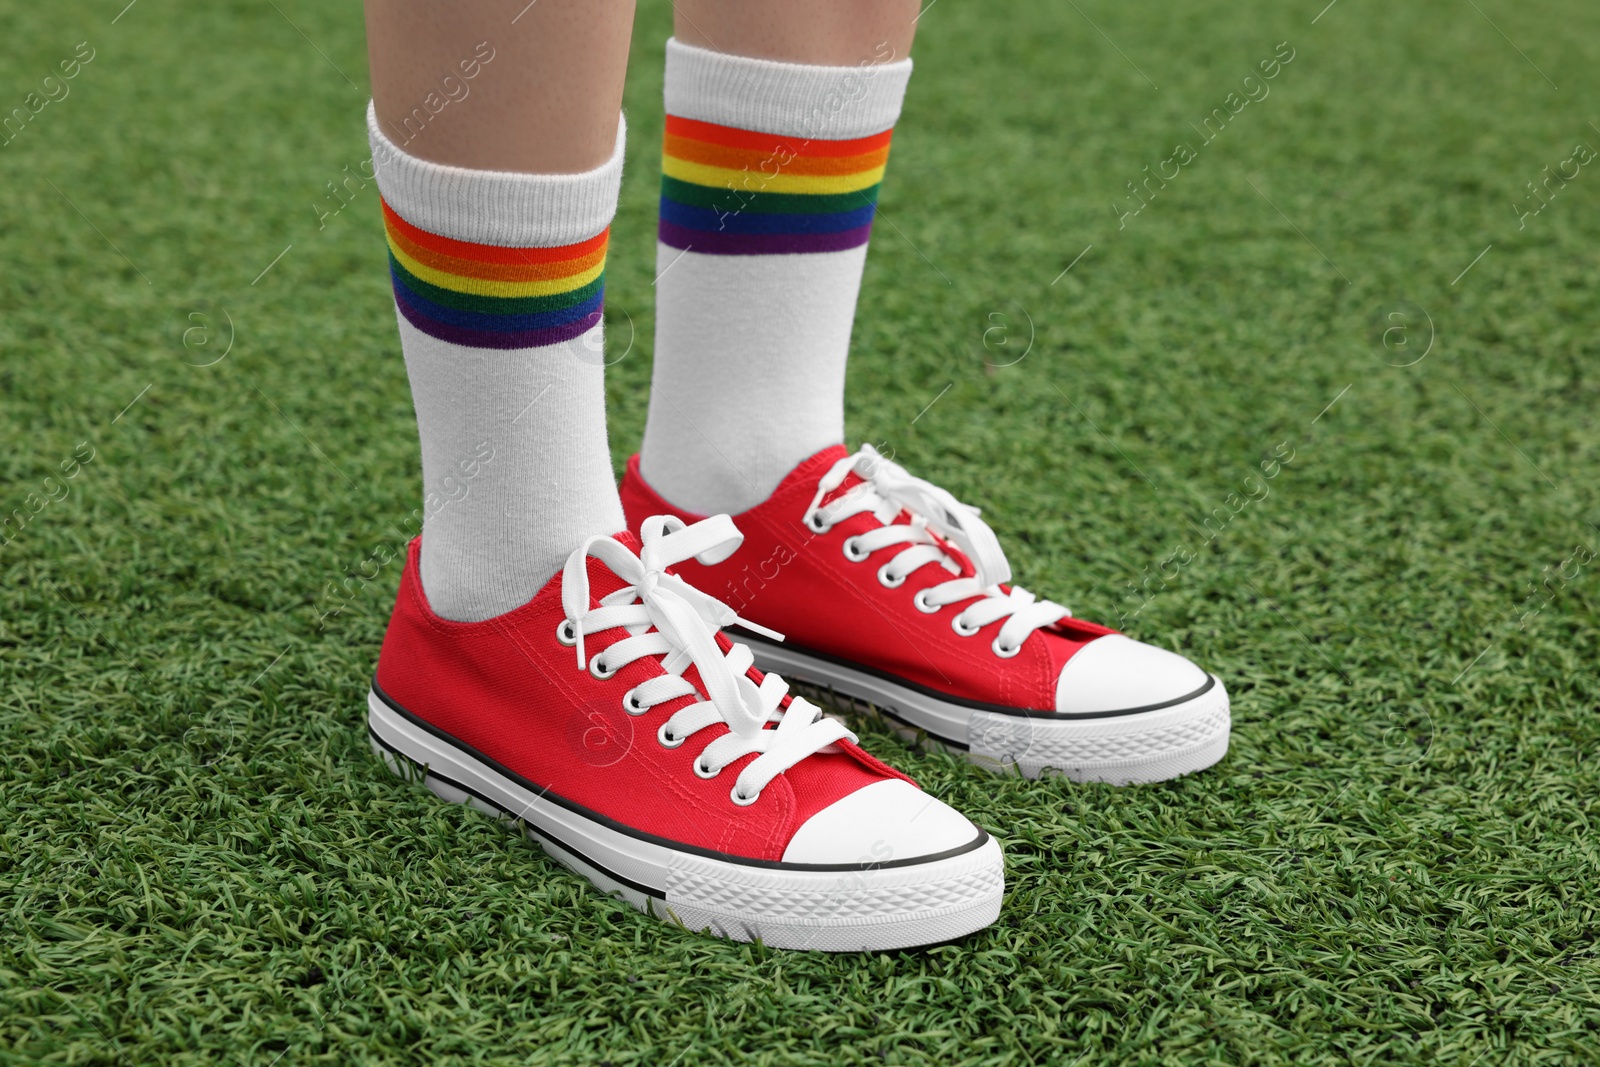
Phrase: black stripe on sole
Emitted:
{"points": [[640, 835], [428, 772]]}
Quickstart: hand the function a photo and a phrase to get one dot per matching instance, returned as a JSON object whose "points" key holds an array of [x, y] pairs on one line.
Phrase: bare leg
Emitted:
{"points": [[823, 32], [546, 103]]}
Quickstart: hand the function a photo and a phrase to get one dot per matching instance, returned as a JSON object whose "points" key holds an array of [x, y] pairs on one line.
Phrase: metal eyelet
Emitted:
{"points": [[887, 580], [566, 634], [741, 800], [1002, 651], [701, 772], [925, 605], [666, 739], [853, 550], [815, 524], [961, 625], [630, 702], [597, 667]]}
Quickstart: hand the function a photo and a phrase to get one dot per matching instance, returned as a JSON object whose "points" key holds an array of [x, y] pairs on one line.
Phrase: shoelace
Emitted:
{"points": [[937, 519], [667, 617]]}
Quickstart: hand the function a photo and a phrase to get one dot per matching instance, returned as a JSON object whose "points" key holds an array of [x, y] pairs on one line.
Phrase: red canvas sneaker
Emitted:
{"points": [[889, 590], [639, 746]]}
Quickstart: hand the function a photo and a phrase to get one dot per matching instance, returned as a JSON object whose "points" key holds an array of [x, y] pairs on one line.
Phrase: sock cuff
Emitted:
{"points": [[494, 207], [784, 99]]}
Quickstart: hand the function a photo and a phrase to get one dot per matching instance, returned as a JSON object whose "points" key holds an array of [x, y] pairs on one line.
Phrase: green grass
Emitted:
{"points": [[200, 861]]}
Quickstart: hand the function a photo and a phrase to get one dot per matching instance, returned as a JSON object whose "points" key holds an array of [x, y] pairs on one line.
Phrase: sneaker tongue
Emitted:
{"points": [[851, 480], [602, 581], [819, 463], [808, 472]]}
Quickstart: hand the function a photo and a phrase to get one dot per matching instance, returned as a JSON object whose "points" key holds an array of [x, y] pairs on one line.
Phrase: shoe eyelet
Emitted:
{"points": [[740, 799], [961, 625], [815, 524], [701, 772], [598, 669], [925, 605], [630, 703], [853, 550], [1004, 651], [889, 581], [566, 634], [667, 740]]}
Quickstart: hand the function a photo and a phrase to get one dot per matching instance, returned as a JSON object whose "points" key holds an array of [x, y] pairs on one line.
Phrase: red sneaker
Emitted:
{"points": [[641, 748], [889, 590]]}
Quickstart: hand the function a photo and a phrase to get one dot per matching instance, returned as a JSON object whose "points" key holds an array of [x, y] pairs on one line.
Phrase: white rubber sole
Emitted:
{"points": [[832, 908], [1126, 749]]}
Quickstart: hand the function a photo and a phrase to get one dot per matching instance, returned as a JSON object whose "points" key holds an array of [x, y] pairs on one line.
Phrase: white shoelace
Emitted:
{"points": [[667, 617], [887, 489]]}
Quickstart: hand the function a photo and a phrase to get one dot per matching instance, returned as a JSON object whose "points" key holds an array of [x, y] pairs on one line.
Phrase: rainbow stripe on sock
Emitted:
{"points": [[733, 192], [488, 296]]}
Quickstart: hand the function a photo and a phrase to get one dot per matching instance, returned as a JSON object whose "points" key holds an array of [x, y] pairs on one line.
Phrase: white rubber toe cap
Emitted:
{"points": [[1118, 674], [885, 822]]}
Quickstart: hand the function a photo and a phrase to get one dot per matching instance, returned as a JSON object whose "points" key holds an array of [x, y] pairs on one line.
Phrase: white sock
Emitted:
{"points": [[498, 279], [770, 174]]}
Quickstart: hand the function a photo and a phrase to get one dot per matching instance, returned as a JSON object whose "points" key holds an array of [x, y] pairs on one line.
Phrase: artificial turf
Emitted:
{"points": [[201, 861]]}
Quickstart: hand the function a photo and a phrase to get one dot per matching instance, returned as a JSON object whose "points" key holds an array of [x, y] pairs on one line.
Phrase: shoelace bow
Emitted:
{"points": [[667, 617], [885, 490]]}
